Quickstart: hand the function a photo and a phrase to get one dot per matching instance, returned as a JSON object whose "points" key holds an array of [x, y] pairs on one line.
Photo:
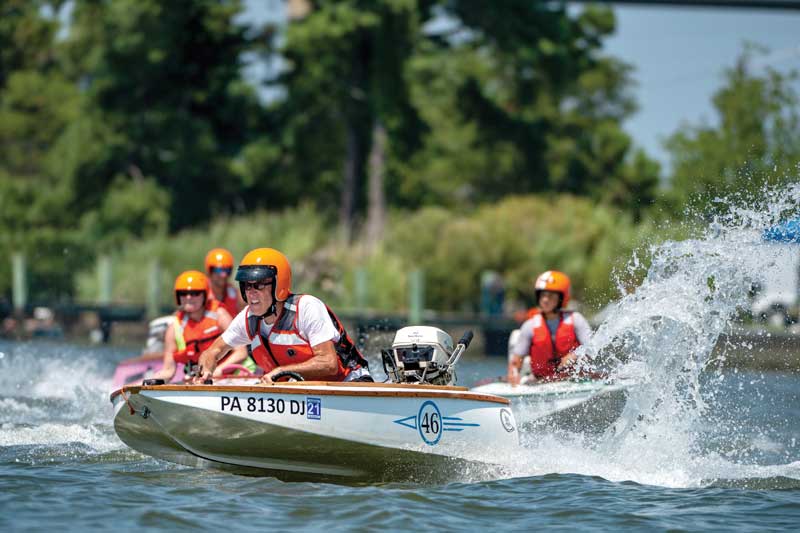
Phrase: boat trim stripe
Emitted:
{"points": [[338, 391]]}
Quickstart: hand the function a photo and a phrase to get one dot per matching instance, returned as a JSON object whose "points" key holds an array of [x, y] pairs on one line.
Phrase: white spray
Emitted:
{"points": [[664, 334]]}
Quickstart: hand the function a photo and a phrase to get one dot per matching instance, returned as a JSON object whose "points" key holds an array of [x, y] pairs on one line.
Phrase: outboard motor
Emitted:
{"points": [[423, 354]]}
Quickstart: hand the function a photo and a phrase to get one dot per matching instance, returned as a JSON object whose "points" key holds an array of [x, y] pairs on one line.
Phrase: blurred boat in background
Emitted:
{"points": [[137, 369]]}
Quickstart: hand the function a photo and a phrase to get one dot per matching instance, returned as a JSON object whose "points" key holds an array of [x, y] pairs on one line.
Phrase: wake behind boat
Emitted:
{"points": [[421, 427]]}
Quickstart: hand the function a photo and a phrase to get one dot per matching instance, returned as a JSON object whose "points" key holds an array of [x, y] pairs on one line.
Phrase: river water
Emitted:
{"points": [[698, 445], [61, 464]]}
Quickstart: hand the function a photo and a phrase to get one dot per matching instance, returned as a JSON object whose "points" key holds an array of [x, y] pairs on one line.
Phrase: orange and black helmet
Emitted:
{"points": [[265, 264], [219, 258], [553, 281], [190, 281]]}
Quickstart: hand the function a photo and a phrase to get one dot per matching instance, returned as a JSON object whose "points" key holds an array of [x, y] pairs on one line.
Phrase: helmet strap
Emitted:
{"points": [[273, 309]]}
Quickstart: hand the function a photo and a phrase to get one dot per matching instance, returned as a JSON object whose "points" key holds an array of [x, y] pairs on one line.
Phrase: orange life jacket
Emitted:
{"points": [[230, 300], [198, 335], [285, 344], [545, 351]]}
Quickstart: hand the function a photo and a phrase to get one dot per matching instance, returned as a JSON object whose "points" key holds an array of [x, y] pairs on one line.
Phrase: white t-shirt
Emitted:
{"points": [[313, 322]]}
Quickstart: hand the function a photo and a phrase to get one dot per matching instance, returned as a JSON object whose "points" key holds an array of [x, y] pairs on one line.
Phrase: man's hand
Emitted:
{"points": [[207, 362], [205, 367], [566, 362], [266, 379]]}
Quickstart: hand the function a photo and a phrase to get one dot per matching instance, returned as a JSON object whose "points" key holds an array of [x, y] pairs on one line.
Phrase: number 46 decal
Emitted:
{"points": [[430, 423]]}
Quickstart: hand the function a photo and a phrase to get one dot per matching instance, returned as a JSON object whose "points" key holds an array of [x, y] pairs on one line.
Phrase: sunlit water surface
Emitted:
{"points": [[695, 448]]}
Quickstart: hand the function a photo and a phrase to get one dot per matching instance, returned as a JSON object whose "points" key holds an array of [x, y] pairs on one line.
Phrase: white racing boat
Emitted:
{"points": [[419, 427], [575, 404]]}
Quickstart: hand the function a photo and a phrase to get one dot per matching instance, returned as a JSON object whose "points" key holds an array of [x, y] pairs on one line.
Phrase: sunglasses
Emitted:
{"points": [[190, 293], [256, 285], [221, 270]]}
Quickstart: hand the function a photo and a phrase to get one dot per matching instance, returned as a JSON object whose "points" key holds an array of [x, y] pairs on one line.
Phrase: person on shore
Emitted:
{"points": [[219, 267], [551, 334], [286, 331], [198, 322]]}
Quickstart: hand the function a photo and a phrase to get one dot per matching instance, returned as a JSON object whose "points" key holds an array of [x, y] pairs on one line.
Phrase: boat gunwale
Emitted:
{"points": [[328, 388]]}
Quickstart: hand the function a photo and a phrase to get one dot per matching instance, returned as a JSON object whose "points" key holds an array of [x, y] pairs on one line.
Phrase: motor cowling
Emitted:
{"points": [[420, 354]]}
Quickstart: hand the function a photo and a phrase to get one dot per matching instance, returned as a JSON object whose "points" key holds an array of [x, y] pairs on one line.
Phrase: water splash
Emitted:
{"points": [[54, 399], [664, 333]]}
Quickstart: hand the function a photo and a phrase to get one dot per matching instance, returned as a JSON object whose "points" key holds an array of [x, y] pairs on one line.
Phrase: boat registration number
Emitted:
{"points": [[252, 404]]}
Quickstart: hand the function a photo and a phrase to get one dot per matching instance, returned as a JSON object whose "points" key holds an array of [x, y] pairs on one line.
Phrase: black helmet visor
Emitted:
{"points": [[255, 272]]}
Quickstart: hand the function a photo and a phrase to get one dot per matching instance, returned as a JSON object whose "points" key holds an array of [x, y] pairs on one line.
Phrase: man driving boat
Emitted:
{"points": [[551, 335], [286, 331], [195, 326]]}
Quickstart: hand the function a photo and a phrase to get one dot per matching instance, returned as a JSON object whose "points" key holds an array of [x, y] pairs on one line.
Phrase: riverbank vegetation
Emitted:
{"points": [[516, 237]]}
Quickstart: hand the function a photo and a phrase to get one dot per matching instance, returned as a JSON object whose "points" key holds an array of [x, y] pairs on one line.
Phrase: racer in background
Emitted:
{"points": [[219, 268], [197, 323], [550, 335]]}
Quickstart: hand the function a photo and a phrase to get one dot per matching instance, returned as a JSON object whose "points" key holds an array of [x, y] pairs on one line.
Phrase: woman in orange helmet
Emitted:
{"points": [[219, 267], [551, 334], [286, 331], [198, 322]]}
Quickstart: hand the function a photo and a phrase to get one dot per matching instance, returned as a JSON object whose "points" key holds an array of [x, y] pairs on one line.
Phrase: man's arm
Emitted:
{"points": [[583, 332], [514, 366], [518, 351], [170, 346], [208, 359], [236, 357]]}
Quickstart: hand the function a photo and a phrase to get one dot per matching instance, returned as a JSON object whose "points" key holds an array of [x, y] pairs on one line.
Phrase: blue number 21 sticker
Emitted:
{"points": [[313, 408]]}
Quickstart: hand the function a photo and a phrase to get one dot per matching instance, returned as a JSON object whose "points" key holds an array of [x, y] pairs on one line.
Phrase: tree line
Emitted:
{"points": [[131, 119]]}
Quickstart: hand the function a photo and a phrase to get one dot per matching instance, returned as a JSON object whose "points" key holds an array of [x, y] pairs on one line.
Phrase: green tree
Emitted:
{"points": [[503, 98], [346, 84], [539, 107], [26, 37], [755, 140], [37, 103], [164, 80]]}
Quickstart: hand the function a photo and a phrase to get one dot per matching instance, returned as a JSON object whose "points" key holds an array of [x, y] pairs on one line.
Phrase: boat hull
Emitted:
{"points": [[338, 432], [573, 405]]}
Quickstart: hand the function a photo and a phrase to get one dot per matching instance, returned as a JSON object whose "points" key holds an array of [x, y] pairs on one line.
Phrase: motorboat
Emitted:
{"points": [[576, 401], [137, 369], [418, 426]]}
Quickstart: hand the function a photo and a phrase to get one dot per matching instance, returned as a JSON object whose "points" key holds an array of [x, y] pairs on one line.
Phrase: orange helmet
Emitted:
{"points": [[266, 263], [219, 258], [554, 281], [191, 280]]}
